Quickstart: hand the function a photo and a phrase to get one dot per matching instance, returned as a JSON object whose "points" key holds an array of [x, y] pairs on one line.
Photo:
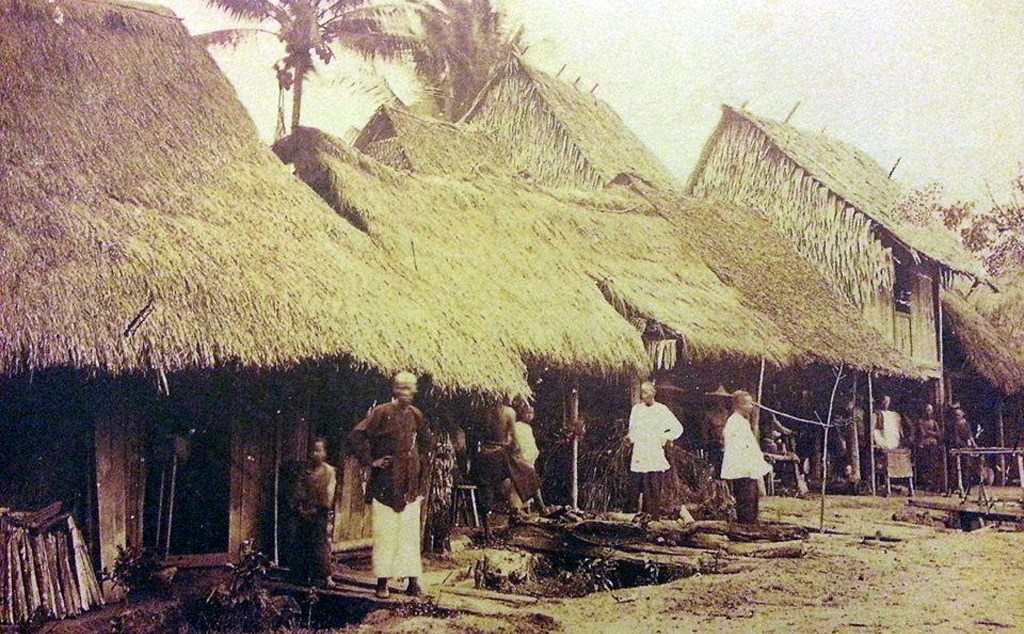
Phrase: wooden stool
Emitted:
{"points": [[464, 495]]}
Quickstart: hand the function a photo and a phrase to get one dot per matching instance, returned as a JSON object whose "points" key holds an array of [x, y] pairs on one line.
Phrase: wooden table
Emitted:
{"points": [[981, 452]]}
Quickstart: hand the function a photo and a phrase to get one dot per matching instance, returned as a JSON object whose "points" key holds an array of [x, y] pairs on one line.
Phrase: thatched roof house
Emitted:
{"points": [[557, 133], [574, 278], [984, 346], [837, 206], [847, 196], [145, 225]]}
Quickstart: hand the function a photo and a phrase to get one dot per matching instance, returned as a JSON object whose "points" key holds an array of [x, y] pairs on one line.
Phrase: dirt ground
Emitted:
{"points": [[935, 580]]}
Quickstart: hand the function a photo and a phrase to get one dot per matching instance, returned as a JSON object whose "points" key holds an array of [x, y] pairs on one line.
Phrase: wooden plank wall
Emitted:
{"points": [[252, 481], [120, 486], [922, 312], [351, 512]]}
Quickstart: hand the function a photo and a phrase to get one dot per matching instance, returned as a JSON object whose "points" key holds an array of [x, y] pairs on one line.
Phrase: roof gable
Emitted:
{"points": [[859, 180], [558, 134]]}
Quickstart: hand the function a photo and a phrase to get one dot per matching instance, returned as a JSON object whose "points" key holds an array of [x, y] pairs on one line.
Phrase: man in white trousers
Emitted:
{"points": [[391, 441]]}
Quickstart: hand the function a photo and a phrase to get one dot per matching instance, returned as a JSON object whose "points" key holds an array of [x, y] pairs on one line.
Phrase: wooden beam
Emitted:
{"points": [[791, 112], [111, 491], [871, 431]]}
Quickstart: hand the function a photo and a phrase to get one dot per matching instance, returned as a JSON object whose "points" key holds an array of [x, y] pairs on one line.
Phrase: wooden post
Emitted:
{"points": [[111, 492], [160, 505], [170, 502], [277, 489], [940, 389], [755, 418], [853, 439], [1002, 441], [871, 431], [572, 414]]}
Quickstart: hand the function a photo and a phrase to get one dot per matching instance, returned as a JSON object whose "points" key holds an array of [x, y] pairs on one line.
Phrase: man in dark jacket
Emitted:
{"points": [[391, 441]]}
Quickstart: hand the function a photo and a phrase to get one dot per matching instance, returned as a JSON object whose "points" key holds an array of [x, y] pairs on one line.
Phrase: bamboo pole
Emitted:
{"points": [[824, 450], [160, 504], [170, 502], [756, 422], [277, 489], [573, 415], [871, 431], [1002, 441]]}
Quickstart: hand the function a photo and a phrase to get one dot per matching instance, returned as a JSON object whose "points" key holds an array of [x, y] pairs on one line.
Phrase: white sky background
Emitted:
{"points": [[939, 83]]}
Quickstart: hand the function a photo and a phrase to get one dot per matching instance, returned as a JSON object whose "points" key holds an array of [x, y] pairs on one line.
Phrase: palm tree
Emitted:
{"points": [[371, 28], [460, 44]]}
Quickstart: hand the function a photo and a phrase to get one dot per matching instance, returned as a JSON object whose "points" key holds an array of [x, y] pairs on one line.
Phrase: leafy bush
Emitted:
{"points": [[135, 570], [243, 602]]}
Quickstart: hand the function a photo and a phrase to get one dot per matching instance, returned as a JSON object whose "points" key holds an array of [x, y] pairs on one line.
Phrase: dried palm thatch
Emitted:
{"points": [[826, 194], [989, 350], [411, 142], [145, 226], [556, 133], [566, 277]]}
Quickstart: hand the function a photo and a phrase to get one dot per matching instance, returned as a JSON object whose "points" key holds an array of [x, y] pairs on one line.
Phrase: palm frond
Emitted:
{"points": [[229, 38], [257, 10]]}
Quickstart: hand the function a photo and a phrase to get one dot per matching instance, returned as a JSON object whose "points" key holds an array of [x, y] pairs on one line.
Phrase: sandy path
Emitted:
{"points": [[934, 581]]}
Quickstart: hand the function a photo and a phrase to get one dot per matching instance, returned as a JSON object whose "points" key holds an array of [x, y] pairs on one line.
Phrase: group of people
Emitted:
{"points": [[653, 430], [392, 443]]}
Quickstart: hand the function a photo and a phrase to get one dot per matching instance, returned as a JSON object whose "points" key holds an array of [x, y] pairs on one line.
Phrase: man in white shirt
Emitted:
{"points": [[652, 426], [743, 463]]}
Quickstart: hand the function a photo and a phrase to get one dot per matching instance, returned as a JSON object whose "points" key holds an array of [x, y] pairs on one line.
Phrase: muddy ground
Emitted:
{"points": [[935, 580]]}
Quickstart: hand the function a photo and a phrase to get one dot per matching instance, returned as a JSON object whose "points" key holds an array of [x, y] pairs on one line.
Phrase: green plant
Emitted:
{"points": [[135, 570], [243, 602]]}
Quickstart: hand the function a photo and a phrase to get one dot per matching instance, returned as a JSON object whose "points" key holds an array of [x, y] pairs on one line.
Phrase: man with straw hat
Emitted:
{"points": [[743, 463], [391, 441]]}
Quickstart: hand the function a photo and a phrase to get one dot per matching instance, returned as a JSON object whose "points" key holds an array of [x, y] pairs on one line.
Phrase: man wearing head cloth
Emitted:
{"points": [[391, 441]]}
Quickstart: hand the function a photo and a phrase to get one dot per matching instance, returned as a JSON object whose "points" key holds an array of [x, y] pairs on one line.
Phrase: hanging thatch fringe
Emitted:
{"points": [[825, 229]]}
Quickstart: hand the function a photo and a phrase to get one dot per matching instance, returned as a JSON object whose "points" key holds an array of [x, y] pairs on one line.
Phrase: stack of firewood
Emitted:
{"points": [[45, 568]]}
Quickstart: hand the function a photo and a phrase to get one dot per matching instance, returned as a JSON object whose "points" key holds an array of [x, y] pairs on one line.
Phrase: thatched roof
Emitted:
{"points": [[569, 278], [408, 141], [859, 180], [986, 347], [145, 226], [557, 133]]}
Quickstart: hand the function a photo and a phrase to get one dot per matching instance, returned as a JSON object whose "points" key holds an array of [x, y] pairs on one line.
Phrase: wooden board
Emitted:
{"points": [[111, 493], [252, 481], [351, 512], [1002, 512]]}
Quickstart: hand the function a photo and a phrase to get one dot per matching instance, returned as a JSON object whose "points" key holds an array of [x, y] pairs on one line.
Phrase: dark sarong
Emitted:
{"points": [[929, 464], [312, 556], [660, 494], [747, 499], [495, 464]]}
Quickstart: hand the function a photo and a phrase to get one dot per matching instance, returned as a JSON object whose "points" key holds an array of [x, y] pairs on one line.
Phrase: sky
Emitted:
{"points": [[938, 84]]}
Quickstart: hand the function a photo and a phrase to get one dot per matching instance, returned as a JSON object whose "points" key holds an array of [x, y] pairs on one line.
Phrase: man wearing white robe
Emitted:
{"points": [[652, 425], [391, 441], [743, 463]]}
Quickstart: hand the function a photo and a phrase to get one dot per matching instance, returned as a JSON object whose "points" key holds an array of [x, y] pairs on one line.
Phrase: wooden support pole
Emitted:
{"points": [[572, 415], [170, 501], [871, 431], [755, 418], [1000, 429], [277, 489]]}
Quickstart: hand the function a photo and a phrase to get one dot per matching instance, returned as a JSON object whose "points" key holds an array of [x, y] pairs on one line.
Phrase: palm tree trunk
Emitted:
{"points": [[301, 68]]}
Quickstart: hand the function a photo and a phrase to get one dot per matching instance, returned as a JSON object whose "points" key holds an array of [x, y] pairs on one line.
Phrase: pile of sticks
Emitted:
{"points": [[45, 568]]}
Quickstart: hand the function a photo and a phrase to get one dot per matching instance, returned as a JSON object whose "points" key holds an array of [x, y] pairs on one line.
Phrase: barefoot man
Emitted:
{"points": [[391, 440], [500, 470], [313, 503], [652, 426], [743, 463]]}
